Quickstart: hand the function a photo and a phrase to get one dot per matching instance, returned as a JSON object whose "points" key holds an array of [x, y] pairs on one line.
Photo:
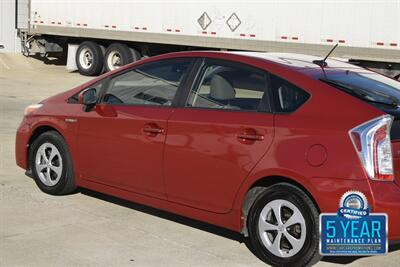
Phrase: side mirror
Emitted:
{"points": [[88, 98]]}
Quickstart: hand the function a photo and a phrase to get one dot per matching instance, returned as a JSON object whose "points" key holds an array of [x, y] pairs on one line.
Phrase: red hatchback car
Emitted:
{"points": [[258, 143]]}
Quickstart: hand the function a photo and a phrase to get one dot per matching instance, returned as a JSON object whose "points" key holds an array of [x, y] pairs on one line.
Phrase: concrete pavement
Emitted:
{"points": [[90, 229]]}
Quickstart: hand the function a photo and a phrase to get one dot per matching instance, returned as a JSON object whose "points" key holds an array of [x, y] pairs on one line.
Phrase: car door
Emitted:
{"points": [[215, 140], [121, 141]]}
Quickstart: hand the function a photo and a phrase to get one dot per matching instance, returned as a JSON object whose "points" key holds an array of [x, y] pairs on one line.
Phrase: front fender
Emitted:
{"points": [[66, 127]]}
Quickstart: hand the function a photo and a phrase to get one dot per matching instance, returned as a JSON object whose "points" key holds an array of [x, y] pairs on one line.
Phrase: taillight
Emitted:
{"points": [[372, 143]]}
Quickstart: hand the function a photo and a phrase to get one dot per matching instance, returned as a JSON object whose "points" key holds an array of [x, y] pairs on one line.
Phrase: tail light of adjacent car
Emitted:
{"points": [[373, 145]]}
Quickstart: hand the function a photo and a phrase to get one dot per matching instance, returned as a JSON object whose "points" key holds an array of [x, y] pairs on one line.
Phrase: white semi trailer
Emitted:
{"points": [[101, 35]]}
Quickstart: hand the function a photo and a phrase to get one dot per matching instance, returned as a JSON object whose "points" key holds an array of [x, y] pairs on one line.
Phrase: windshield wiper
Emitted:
{"points": [[357, 92]]}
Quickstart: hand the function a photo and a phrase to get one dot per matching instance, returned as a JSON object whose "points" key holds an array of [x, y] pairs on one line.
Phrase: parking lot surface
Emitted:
{"points": [[91, 229]]}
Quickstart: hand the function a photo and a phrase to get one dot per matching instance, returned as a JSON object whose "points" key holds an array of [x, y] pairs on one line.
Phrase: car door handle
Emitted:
{"points": [[249, 136], [153, 129], [252, 137]]}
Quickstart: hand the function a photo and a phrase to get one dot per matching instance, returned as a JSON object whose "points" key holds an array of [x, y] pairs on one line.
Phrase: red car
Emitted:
{"points": [[258, 143]]}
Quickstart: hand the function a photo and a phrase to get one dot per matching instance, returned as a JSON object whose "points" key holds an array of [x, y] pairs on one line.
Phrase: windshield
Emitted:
{"points": [[368, 86]]}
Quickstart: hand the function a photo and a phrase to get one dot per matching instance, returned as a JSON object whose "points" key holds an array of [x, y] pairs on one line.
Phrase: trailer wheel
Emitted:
{"points": [[118, 55], [89, 58]]}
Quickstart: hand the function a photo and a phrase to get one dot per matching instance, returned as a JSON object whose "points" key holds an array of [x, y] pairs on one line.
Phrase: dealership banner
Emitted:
{"points": [[353, 230]]}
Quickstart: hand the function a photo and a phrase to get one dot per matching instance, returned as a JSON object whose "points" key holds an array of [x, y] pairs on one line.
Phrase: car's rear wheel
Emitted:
{"points": [[51, 164], [283, 227]]}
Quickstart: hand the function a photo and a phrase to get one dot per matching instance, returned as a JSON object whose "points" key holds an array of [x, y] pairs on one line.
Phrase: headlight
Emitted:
{"points": [[31, 108]]}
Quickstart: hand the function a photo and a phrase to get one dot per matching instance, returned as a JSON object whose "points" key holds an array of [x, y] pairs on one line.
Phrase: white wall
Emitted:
{"points": [[8, 33]]}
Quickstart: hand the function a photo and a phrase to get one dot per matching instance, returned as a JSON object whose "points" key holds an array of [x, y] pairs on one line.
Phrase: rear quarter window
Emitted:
{"points": [[286, 96]]}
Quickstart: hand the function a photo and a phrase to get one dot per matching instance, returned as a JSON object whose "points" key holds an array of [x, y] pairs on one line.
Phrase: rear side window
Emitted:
{"points": [[287, 97], [229, 87], [151, 84]]}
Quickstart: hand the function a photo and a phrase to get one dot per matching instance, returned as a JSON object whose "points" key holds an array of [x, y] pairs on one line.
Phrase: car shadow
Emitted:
{"points": [[167, 215], [206, 227], [342, 259], [347, 260]]}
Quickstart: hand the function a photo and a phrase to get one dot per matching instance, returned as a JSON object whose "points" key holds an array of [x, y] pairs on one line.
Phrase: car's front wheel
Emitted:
{"points": [[51, 164], [283, 227]]}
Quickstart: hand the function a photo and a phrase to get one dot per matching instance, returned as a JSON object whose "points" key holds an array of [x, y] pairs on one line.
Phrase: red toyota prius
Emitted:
{"points": [[259, 143]]}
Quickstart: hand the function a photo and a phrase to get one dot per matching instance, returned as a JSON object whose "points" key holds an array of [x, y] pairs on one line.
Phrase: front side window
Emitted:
{"points": [[151, 84], [231, 87]]}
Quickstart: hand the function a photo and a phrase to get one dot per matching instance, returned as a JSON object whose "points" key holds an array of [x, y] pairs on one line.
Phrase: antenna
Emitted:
{"points": [[322, 62]]}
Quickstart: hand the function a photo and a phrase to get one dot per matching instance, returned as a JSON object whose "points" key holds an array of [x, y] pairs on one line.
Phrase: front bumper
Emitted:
{"points": [[22, 144]]}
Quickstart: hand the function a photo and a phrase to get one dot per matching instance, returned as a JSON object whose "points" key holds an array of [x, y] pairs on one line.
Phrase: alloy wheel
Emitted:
{"points": [[282, 228], [48, 164]]}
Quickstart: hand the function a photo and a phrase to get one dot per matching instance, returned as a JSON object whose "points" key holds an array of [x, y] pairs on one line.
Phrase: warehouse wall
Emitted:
{"points": [[8, 33]]}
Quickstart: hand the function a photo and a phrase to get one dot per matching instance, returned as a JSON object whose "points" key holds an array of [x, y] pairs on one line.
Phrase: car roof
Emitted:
{"points": [[297, 62]]}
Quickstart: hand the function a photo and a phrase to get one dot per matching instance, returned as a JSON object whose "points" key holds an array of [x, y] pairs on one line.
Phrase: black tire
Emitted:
{"points": [[66, 183], [96, 53], [125, 54], [309, 253]]}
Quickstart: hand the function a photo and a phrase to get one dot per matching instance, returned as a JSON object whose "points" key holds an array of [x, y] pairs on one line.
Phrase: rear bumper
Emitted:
{"points": [[21, 144], [386, 197], [383, 197]]}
